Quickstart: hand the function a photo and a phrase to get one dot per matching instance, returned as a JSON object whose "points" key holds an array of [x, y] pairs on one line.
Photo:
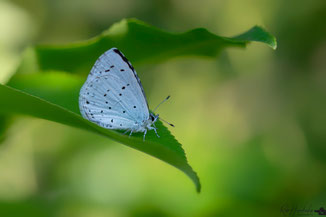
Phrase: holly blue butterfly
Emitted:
{"points": [[113, 96]]}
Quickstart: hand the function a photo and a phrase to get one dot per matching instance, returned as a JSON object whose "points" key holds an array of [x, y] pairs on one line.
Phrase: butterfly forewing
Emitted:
{"points": [[112, 95]]}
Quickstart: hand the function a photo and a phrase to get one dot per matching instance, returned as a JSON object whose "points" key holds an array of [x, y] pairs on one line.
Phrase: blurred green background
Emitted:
{"points": [[252, 121]]}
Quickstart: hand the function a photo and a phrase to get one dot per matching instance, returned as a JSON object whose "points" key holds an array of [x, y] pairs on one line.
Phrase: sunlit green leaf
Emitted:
{"points": [[54, 95], [141, 43]]}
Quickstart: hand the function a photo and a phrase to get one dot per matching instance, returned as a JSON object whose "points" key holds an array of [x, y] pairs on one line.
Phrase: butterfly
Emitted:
{"points": [[113, 96]]}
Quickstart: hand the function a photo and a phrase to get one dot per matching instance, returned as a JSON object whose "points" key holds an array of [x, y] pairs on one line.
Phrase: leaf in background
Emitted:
{"points": [[5, 122], [54, 95], [258, 34], [32, 206], [140, 42]]}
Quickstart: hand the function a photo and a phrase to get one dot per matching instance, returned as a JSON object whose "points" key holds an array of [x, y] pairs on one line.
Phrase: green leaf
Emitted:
{"points": [[54, 95], [258, 34], [5, 122], [141, 43]]}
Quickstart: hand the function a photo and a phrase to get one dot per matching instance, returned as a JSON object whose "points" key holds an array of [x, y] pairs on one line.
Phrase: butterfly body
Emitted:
{"points": [[113, 97]]}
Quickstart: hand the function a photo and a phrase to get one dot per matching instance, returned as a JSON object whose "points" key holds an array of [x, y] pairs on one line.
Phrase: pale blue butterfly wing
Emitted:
{"points": [[113, 96]]}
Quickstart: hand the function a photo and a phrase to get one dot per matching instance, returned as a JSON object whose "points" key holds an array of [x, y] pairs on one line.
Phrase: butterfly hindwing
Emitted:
{"points": [[112, 95]]}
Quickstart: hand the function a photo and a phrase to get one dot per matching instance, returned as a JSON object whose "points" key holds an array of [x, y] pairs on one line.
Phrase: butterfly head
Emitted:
{"points": [[149, 124], [152, 119]]}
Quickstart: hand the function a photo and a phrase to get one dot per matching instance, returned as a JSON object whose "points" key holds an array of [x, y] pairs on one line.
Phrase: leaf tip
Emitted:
{"points": [[198, 186], [270, 39], [258, 34]]}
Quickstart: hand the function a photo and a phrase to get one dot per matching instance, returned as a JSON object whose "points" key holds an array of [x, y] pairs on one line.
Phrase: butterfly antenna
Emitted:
{"points": [[160, 117], [161, 103], [166, 122]]}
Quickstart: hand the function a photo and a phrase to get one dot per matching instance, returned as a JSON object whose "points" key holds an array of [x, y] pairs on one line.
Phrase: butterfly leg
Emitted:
{"points": [[144, 135], [127, 131], [130, 133], [156, 132]]}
